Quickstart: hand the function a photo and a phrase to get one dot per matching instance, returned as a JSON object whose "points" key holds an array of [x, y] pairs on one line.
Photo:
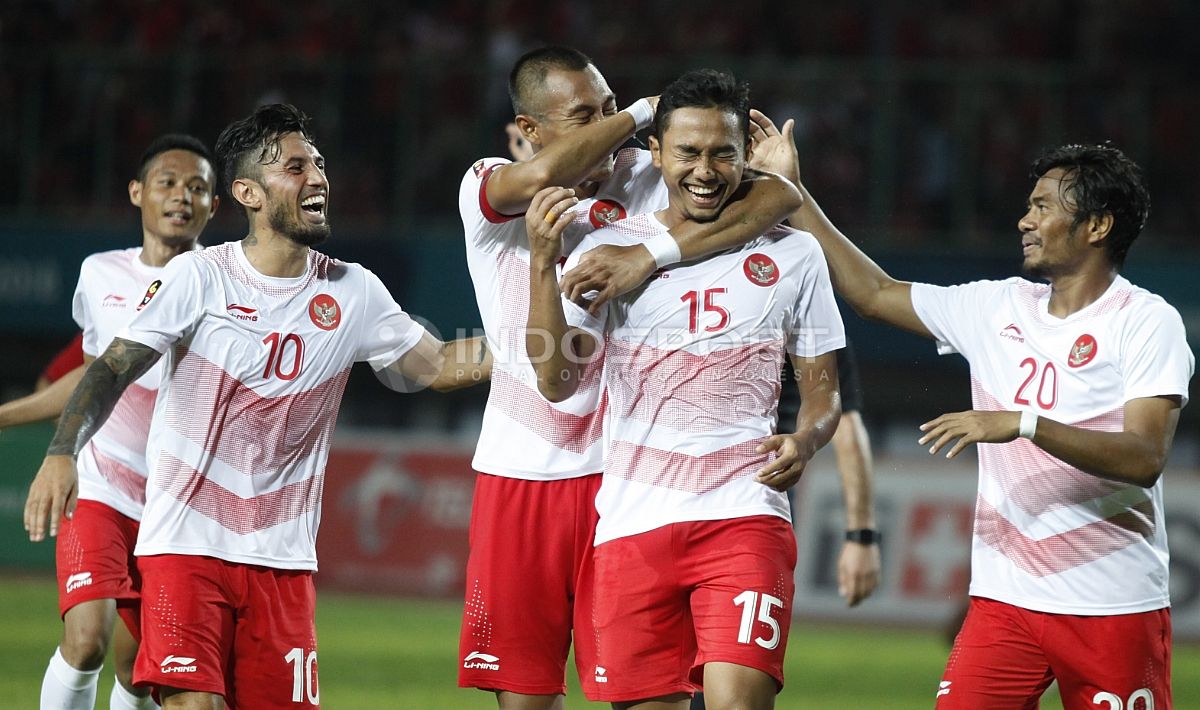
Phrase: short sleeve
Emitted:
{"points": [[82, 314], [387, 331], [172, 305], [478, 218], [1157, 360], [816, 326], [951, 312]]}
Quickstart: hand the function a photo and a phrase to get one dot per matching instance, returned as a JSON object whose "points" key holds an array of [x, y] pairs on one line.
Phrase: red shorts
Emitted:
{"points": [[529, 584], [674, 598], [94, 559], [241, 631], [1005, 656]]}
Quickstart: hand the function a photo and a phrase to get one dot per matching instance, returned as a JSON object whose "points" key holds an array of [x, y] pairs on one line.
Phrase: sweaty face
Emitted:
{"points": [[176, 196], [297, 192], [1048, 243], [570, 100], [702, 155]]}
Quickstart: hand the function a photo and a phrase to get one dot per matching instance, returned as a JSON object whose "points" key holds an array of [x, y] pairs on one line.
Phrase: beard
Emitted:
{"points": [[284, 222]]}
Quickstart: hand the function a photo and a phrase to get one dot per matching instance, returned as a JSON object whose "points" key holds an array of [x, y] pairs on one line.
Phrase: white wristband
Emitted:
{"points": [[642, 112], [664, 249], [1028, 427]]}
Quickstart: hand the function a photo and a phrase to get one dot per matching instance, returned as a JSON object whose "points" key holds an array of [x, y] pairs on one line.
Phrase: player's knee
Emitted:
{"points": [[83, 646]]}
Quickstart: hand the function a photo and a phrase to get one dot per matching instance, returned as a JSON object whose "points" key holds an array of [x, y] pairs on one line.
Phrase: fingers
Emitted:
{"points": [[550, 204], [36, 508], [762, 124]]}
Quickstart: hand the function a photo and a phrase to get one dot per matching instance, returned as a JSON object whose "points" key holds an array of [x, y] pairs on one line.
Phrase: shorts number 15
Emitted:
{"points": [[750, 602]]}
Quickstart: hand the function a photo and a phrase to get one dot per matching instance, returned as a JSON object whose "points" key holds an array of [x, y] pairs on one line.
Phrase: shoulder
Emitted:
{"points": [[481, 168], [1143, 306], [105, 260]]}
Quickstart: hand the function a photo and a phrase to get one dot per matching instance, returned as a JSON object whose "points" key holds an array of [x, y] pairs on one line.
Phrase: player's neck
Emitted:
{"points": [[158, 253], [275, 255], [1072, 293]]}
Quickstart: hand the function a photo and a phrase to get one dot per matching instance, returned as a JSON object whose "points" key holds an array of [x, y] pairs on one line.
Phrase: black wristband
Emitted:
{"points": [[864, 536]]}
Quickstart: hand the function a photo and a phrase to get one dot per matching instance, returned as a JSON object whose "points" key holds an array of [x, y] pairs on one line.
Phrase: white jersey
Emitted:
{"points": [[255, 367], [112, 465], [1048, 536], [693, 362], [523, 435]]}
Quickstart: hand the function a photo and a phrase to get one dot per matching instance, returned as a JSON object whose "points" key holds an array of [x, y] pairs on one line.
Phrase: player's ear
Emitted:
{"points": [[216, 202], [1099, 227], [248, 193], [655, 150], [528, 126], [135, 193]]}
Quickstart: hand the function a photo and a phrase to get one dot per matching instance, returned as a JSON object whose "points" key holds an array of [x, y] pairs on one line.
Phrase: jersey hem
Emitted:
{"points": [[1051, 608], [504, 472], [291, 565], [725, 514]]}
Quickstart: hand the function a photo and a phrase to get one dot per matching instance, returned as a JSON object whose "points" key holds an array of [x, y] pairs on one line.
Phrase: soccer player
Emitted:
{"points": [[695, 551], [97, 575], [538, 462], [1077, 380], [259, 336]]}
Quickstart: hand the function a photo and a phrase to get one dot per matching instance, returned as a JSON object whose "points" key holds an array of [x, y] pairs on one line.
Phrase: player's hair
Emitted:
{"points": [[704, 88], [246, 145], [171, 141], [1100, 180], [529, 74]]}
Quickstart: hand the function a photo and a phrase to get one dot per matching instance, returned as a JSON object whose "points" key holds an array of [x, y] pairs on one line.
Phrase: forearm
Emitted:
{"points": [[44, 404], [546, 334], [852, 448], [767, 200], [99, 389], [1121, 456], [465, 362]]}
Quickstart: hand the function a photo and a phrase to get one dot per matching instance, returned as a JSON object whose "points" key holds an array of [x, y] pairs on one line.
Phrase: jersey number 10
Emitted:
{"points": [[287, 349]]}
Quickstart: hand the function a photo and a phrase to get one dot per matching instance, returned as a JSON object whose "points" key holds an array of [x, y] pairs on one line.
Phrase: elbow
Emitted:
{"points": [[1149, 474]]}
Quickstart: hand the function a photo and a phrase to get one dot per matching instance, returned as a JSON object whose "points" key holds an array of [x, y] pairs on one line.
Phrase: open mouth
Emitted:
{"points": [[178, 217], [314, 205], [704, 196]]}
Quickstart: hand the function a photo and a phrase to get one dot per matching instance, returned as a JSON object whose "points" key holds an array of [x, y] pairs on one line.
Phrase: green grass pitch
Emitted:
{"points": [[389, 653]]}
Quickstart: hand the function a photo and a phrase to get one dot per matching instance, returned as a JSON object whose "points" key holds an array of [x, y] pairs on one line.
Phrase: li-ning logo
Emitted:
{"points": [[75, 581], [178, 664], [475, 659], [943, 688], [113, 300], [601, 674], [241, 312], [1012, 332], [1082, 351]]}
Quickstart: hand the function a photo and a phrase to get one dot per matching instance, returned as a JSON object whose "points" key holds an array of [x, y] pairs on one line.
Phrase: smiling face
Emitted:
{"points": [[297, 191], [176, 197], [1049, 243], [567, 101], [702, 155]]}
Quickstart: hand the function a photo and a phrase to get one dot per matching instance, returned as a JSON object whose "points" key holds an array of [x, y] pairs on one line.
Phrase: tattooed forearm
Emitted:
{"points": [[98, 392]]}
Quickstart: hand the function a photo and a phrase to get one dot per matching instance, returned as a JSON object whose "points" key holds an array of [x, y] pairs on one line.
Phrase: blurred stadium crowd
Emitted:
{"points": [[917, 119]]}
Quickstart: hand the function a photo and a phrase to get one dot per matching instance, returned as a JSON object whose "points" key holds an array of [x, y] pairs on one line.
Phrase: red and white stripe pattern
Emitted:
{"points": [[523, 435], [1049, 536], [112, 466], [692, 368]]}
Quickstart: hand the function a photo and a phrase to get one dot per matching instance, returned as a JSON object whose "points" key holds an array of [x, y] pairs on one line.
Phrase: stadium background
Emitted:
{"points": [[916, 123]]}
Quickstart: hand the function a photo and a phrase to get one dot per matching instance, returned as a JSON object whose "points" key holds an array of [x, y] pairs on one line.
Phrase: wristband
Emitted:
{"points": [[663, 248], [642, 112], [864, 536], [1028, 427]]}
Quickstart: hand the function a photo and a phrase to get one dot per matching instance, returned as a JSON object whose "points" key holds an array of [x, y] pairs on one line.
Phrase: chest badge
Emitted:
{"points": [[153, 289], [605, 212], [324, 311], [761, 270], [1083, 351]]}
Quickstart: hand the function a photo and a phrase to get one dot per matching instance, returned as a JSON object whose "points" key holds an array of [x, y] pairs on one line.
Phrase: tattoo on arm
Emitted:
{"points": [[98, 392]]}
